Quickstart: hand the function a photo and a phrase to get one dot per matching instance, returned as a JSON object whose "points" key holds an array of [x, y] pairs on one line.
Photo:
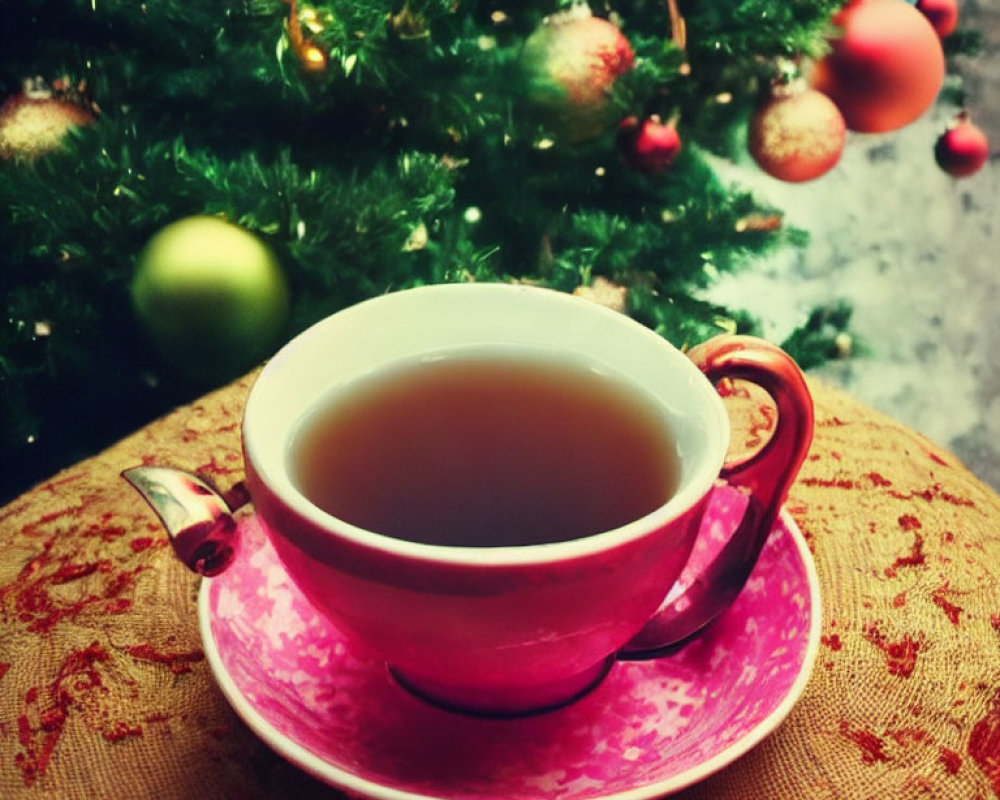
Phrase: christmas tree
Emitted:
{"points": [[356, 147]]}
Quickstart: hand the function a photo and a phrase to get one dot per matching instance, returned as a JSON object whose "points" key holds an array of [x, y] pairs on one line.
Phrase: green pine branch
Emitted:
{"points": [[409, 159]]}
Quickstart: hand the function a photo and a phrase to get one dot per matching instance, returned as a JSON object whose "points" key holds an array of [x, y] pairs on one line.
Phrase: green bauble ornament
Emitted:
{"points": [[570, 63], [211, 297]]}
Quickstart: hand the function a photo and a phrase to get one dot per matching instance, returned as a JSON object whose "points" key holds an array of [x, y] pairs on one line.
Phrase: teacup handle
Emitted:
{"points": [[198, 519], [765, 476]]}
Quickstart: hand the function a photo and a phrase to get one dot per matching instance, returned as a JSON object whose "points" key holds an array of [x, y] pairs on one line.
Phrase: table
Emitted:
{"points": [[105, 691]]}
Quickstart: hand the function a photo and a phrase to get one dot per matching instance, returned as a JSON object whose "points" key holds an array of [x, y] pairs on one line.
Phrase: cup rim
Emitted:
{"points": [[695, 488]]}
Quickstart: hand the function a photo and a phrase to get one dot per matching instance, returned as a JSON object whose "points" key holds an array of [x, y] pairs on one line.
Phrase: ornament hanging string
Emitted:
{"points": [[678, 28]]}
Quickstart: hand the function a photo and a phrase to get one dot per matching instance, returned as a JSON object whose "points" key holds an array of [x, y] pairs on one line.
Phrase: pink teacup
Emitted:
{"points": [[508, 628], [516, 621]]}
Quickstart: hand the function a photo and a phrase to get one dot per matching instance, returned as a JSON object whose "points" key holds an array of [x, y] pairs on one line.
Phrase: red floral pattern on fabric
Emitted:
{"points": [[104, 691]]}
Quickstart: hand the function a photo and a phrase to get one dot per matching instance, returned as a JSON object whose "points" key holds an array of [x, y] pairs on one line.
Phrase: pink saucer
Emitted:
{"points": [[649, 729]]}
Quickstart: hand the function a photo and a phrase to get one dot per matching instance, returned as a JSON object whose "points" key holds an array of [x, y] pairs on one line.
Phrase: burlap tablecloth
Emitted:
{"points": [[105, 692]]}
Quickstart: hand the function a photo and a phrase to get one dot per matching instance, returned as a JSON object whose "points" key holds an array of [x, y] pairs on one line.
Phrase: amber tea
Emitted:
{"points": [[487, 448]]}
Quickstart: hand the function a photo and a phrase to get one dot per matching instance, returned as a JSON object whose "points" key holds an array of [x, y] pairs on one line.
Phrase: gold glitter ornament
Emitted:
{"points": [[36, 121], [570, 63], [797, 135]]}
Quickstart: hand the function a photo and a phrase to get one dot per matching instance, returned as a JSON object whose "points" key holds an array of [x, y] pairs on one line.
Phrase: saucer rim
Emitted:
{"points": [[341, 778]]}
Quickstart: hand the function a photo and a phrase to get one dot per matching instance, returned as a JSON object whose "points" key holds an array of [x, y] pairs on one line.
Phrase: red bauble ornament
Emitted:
{"points": [[885, 68], [797, 135], [650, 145], [962, 149], [570, 63], [942, 14]]}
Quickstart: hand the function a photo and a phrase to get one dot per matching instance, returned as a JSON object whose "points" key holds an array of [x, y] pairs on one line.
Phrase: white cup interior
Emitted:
{"points": [[419, 322]]}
